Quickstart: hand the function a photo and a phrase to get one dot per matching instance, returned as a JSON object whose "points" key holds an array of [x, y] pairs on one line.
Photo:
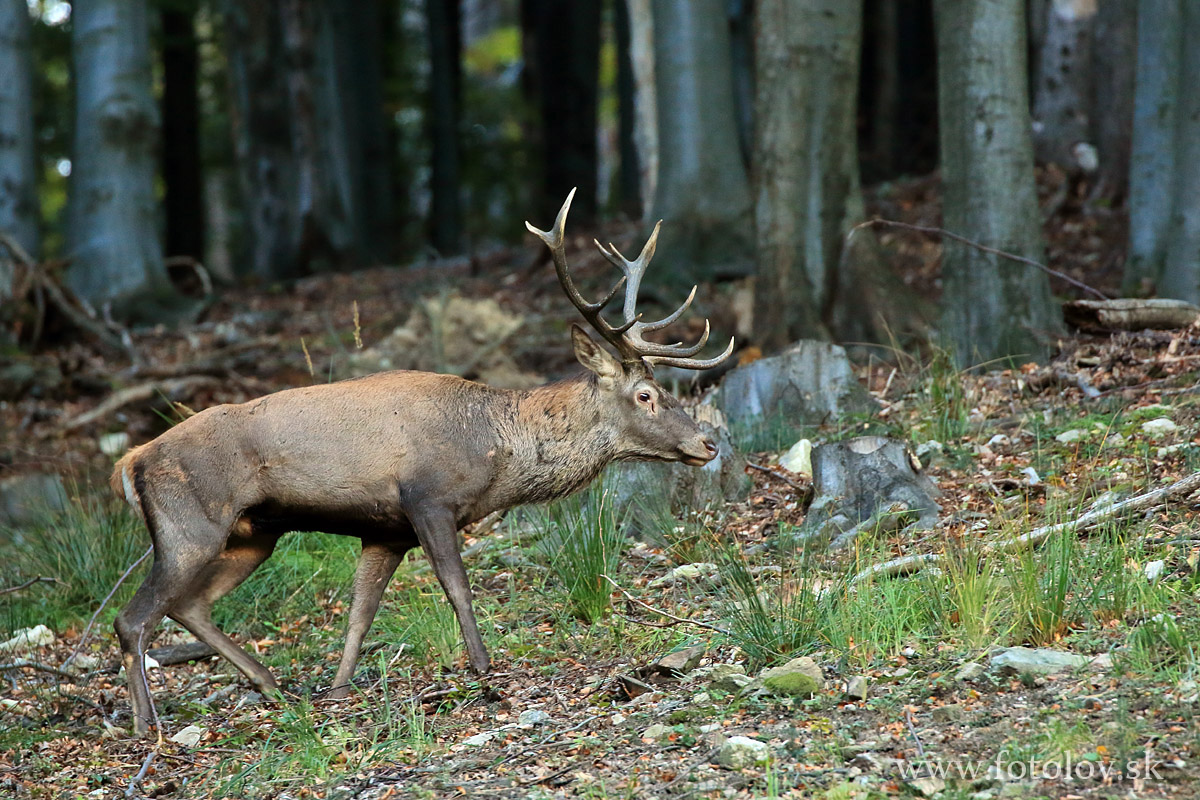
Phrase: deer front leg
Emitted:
{"points": [[375, 568], [438, 534]]}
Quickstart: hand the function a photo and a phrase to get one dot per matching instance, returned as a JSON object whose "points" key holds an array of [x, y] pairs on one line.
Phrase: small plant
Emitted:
{"points": [[947, 397], [424, 622], [874, 619], [1041, 584], [975, 589], [582, 543], [770, 625]]}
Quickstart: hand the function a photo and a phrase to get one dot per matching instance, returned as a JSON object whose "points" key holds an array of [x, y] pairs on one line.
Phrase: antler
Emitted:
{"points": [[627, 337]]}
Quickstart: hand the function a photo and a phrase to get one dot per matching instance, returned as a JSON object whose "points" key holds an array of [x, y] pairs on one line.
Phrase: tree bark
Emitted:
{"points": [[445, 96], [1181, 276], [1114, 51], [116, 255], [702, 191], [990, 309], [645, 100], [183, 183], [18, 168], [1062, 99], [1153, 162]]}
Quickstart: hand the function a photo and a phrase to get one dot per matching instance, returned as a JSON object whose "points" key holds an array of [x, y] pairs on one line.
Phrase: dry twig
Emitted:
{"points": [[139, 393], [779, 476], [27, 584], [660, 612]]}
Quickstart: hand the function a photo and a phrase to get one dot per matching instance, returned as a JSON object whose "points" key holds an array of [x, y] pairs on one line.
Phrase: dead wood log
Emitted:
{"points": [[1142, 502], [1129, 314], [866, 483], [170, 655]]}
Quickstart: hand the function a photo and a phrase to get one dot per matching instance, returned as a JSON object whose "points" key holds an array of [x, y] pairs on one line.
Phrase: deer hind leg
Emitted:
{"points": [[218, 578], [375, 568], [180, 552]]}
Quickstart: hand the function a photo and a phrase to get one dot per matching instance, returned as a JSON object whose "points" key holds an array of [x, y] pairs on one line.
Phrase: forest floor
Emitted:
{"points": [[578, 704]]}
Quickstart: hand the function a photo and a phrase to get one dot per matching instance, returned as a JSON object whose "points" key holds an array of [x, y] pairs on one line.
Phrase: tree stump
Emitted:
{"points": [[867, 483]]}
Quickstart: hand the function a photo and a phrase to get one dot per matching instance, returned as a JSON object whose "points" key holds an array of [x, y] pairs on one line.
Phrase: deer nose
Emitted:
{"points": [[711, 448]]}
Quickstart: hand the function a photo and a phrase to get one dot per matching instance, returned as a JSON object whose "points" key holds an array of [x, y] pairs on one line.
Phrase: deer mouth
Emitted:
{"points": [[694, 460]]}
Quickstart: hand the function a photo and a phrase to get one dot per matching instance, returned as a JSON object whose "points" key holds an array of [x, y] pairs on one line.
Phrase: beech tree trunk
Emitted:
{"points": [[1114, 54], [991, 308], [702, 192], [1062, 99], [183, 183], [645, 100], [18, 169], [1164, 220], [445, 96], [113, 243]]}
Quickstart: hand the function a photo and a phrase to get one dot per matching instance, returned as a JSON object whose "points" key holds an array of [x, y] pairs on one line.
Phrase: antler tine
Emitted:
{"points": [[676, 314], [633, 270], [693, 363]]}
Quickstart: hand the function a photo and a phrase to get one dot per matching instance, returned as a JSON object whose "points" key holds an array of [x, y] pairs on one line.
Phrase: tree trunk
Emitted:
{"points": [[18, 169], [183, 184], [116, 256], [1153, 164], [991, 309], [1062, 109], [1181, 276], [445, 96], [1114, 50], [645, 100], [630, 198], [567, 53], [702, 192]]}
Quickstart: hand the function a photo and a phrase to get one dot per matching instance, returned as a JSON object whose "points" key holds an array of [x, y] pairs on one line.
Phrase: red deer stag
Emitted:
{"points": [[398, 459]]}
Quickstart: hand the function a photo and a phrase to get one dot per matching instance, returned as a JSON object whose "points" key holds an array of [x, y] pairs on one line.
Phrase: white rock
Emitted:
{"points": [[1039, 661], [81, 663], [1159, 427], [1170, 449], [28, 639], [927, 787], [150, 663], [189, 736], [1073, 435], [930, 448], [798, 458], [533, 716], [1154, 570], [999, 440], [740, 752], [479, 739], [1031, 476], [656, 731], [687, 572], [857, 687], [113, 444], [617, 719]]}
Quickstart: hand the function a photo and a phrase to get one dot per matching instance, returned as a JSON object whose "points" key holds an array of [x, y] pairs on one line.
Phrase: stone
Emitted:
{"points": [[701, 570], [1154, 570], [533, 716], [856, 687], [28, 639], [479, 739], [809, 382], [740, 752], [927, 787], [729, 678], [949, 713], [798, 458], [1036, 661], [26, 498], [1073, 435], [681, 661], [189, 736], [655, 732], [1159, 427], [970, 671], [84, 662], [113, 444], [800, 677]]}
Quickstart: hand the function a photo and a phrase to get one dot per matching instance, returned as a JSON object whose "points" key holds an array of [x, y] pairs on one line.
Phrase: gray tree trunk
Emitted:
{"points": [[1152, 170], [18, 170], [645, 100], [112, 235], [1181, 275], [1062, 99], [702, 193], [1114, 52], [990, 309]]}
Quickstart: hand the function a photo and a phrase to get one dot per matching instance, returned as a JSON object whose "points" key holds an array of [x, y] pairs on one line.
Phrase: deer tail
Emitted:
{"points": [[123, 483]]}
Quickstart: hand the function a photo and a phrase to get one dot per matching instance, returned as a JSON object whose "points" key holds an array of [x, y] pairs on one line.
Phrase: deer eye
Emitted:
{"points": [[643, 397]]}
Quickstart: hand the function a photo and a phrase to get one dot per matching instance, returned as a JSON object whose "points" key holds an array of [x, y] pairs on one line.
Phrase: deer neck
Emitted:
{"points": [[558, 440]]}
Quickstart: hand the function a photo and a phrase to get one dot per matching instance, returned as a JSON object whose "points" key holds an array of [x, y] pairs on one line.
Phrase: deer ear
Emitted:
{"points": [[593, 356]]}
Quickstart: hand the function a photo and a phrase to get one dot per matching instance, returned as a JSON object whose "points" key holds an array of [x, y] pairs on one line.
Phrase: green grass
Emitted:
{"points": [[581, 543]]}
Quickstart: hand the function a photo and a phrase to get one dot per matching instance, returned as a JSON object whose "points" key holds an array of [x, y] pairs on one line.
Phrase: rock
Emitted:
{"points": [[800, 677], [740, 752], [856, 687], [533, 716], [688, 572], [808, 383], [1073, 435], [1171, 449], [927, 787], [681, 661], [84, 662], [930, 450], [113, 444], [720, 481], [28, 639], [655, 732], [479, 739], [1039, 661], [1101, 663], [798, 458], [1154, 570], [617, 719], [969, 672], [26, 498], [729, 678], [1159, 427], [952, 713], [189, 736]]}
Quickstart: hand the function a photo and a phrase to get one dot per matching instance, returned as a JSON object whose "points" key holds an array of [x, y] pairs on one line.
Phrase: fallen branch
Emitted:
{"points": [[139, 393], [779, 476], [1142, 502], [660, 612], [137, 779], [27, 584], [981, 247], [24, 663]]}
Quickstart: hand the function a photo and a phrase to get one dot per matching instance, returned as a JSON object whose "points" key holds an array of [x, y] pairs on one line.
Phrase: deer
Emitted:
{"points": [[399, 459]]}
